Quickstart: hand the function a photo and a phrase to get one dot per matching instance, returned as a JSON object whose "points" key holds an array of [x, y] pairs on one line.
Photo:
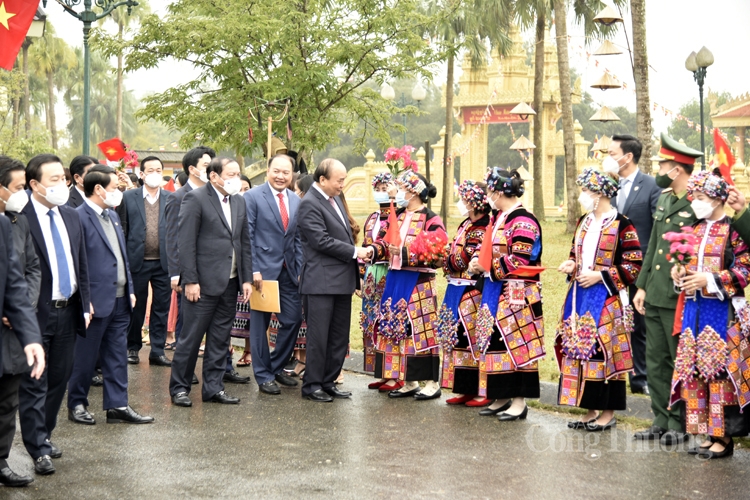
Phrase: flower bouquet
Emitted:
{"points": [[399, 159], [682, 246], [429, 247]]}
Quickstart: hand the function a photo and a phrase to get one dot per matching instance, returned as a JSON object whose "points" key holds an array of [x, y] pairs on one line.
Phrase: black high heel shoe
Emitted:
{"points": [[594, 427], [694, 450], [486, 412], [728, 451], [579, 424], [505, 417]]}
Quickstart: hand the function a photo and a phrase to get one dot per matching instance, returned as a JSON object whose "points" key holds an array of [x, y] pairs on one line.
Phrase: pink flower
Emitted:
{"points": [[674, 247], [680, 257], [686, 249]]}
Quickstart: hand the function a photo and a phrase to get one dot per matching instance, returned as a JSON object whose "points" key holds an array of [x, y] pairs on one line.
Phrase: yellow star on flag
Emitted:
{"points": [[111, 151], [721, 157], [4, 16]]}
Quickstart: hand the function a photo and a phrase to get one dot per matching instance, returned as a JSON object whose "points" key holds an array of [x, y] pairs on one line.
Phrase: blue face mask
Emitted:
{"points": [[401, 201], [380, 197]]}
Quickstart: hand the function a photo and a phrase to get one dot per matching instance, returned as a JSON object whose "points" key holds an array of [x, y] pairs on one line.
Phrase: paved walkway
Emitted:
{"points": [[367, 447]]}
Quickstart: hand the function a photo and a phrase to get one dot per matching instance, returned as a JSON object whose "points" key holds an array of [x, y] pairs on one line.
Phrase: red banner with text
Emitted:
{"points": [[494, 114]]}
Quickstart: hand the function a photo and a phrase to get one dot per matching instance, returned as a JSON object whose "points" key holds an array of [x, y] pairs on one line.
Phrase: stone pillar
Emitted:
{"points": [[436, 170], [421, 164], [474, 162], [582, 147], [741, 147], [528, 183], [369, 173]]}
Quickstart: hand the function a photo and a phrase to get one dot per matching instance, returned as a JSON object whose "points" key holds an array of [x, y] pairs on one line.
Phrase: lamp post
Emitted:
{"points": [[697, 64], [418, 94], [88, 16]]}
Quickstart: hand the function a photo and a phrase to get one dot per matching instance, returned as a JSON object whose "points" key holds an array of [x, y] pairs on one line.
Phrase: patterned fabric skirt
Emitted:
{"points": [[500, 379], [273, 331], [241, 325], [374, 283], [460, 371], [583, 384]]}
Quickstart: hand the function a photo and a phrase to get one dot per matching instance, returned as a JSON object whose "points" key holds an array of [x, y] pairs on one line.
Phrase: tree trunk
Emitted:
{"points": [[644, 130], [51, 108], [447, 157], [26, 104], [16, 115], [119, 85], [569, 140], [538, 124]]}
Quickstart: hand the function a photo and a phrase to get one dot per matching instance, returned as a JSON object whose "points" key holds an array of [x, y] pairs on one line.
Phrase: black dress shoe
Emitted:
{"points": [[653, 432], [80, 415], [195, 379], [285, 380], [407, 394], [334, 392], [159, 360], [486, 412], [319, 396], [182, 399], [235, 378], [423, 397], [97, 381], [594, 427], [578, 424], [55, 452], [127, 416], [672, 437], [506, 417], [270, 387], [640, 390], [728, 451], [43, 466], [223, 398], [13, 480], [133, 358], [695, 450]]}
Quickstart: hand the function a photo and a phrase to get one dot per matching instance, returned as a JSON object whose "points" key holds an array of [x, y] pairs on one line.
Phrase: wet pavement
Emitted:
{"points": [[366, 447]]}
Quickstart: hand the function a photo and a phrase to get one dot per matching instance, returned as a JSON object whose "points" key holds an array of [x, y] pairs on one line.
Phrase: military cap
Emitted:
{"points": [[672, 150]]}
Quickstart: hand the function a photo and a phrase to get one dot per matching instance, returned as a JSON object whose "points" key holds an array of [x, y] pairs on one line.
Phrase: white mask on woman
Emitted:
{"points": [[702, 209], [462, 209], [588, 202]]}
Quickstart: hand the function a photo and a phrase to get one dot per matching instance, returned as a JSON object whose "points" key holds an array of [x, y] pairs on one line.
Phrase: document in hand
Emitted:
{"points": [[267, 300]]}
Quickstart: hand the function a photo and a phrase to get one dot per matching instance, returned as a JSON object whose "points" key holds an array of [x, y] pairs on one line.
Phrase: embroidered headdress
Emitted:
{"points": [[409, 180], [498, 180], [598, 182], [473, 195], [709, 183], [381, 178]]}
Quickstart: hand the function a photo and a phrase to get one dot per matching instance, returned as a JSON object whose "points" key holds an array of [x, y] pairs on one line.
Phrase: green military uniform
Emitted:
{"points": [[741, 223], [673, 212]]}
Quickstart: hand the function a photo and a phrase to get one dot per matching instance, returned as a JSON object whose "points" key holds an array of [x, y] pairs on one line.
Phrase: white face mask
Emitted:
{"points": [[702, 209], [113, 198], [401, 200], [203, 176], [462, 209], [612, 165], [17, 201], [380, 197], [56, 195], [587, 202], [232, 186], [153, 180]]}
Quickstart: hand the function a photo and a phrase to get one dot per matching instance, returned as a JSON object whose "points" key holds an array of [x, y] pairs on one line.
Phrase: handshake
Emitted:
{"points": [[364, 254]]}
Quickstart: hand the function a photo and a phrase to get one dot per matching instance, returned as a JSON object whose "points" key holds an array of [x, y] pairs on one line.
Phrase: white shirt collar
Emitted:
{"points": [[192, 184], [221, 196], [315, 185], [41, 210], [146, 194], [96, 208], [83, 195], [275, 191], [631, 177]]}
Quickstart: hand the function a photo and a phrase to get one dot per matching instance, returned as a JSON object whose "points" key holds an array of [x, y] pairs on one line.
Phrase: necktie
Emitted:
{"points": [[63, 272], [105, 215], [621, 199], [282, 209], [226, 198]]}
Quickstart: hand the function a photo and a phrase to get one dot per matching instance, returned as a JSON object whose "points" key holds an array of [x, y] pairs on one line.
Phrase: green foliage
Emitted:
{"points": [[317, 53], [584, 110], [680, 129]]}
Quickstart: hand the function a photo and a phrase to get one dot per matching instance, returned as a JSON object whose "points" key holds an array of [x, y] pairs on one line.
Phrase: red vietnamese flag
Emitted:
{"points": [[113, 149], [724, 157], [485, 253], [393, 233], [15, 20], [169, 186]]}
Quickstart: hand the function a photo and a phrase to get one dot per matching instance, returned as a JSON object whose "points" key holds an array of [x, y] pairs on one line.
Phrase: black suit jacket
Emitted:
{"points": [[328, 263], [132, 212], [640, 206], [171, 217], [81, 268], [76, 199], [206, 242], [14, 296]]}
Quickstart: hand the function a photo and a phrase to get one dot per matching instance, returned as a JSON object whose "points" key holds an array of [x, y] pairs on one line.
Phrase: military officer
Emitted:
{"points": [[656, 297]]}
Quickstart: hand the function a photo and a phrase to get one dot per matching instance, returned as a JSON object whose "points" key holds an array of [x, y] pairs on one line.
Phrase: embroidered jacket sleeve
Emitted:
{"points": [[627, 260], [732, 280], [458, 262], [521, 233], [572, 254], [435, 224]]}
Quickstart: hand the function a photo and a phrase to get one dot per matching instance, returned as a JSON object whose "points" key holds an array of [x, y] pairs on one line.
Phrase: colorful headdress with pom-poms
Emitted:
{"points": [[598, 182], [473, 196], [498, 181], [410, 181], [712, 185], [381, 178]]}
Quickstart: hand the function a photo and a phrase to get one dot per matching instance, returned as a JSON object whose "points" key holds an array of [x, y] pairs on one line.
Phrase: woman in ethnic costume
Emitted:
{"points": [[406, 346], [460, 371], [592, 341], [373, 275], [711, 366], [510, 325]]}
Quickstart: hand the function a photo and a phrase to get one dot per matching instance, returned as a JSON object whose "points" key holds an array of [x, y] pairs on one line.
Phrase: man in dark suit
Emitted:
{"points": [[277, 255], [145, 229], [79, 166], [17, 260], [215, 263], [112, 299], [328, 279], [637, 201], [64, 303]]}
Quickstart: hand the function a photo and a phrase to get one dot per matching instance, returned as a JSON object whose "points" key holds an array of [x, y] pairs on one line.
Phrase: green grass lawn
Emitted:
{"points": [[556, 249]]}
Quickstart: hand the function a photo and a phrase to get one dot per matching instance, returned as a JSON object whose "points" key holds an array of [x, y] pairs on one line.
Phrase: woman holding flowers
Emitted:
{"points": [[713, 320], [592, 341], [413, 241], [457, 324], [510, 325]]}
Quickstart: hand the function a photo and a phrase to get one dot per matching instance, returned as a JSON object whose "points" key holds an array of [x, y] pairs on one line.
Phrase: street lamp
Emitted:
{"points": [[88, 16], [697, 64], [418, 94]]}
